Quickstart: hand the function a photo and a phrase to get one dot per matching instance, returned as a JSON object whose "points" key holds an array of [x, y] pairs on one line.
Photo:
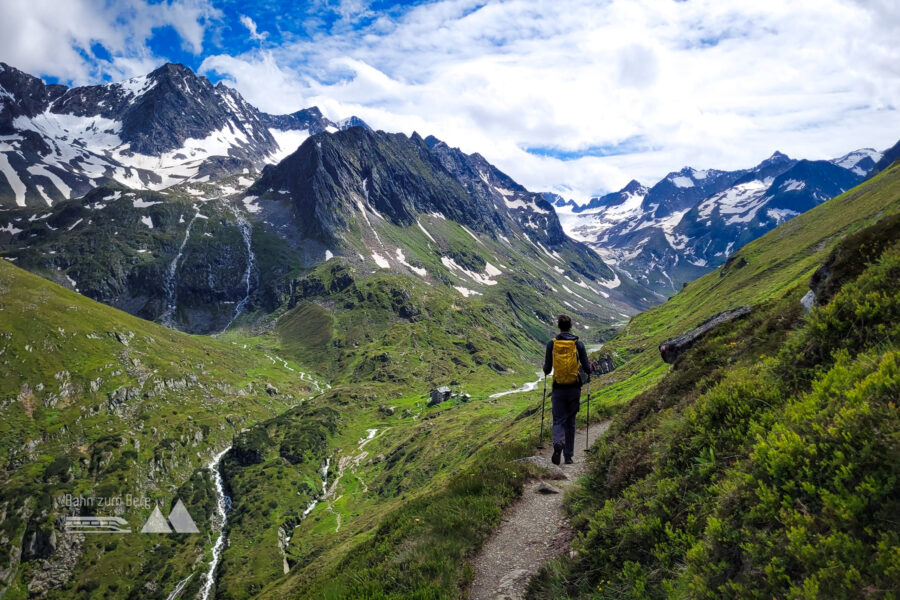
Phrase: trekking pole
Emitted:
{"points": [[587, 432], [543, 400]]}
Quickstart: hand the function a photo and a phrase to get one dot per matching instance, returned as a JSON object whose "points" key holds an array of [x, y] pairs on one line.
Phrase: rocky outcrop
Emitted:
{"points": [[56, 569], [674, 347]]}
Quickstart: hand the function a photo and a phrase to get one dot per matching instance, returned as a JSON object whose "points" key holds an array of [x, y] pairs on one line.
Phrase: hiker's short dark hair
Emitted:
{"points": [[564, 322]]}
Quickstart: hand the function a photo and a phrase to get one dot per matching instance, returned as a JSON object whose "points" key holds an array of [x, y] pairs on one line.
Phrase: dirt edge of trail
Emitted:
{"points": [[533, 530]]}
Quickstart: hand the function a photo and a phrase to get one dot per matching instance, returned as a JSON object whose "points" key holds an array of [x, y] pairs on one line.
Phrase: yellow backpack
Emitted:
{"points": [[565, 361]]}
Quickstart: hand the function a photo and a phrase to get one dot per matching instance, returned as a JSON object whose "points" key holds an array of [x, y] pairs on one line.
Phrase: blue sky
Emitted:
{"points": [[573, 96]]}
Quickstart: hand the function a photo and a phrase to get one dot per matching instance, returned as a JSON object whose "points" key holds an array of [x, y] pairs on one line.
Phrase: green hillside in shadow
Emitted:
{"points": [[98, 403]]}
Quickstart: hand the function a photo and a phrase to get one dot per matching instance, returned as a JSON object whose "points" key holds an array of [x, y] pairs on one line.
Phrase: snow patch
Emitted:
{"points": [[250, 204], [381, 261], [425, 231], [792, 185], [140, 203], [13, 178], [616, 282], [477, 277], [683, 182], [781, 214], [417, 270], [136, 87], [41, 170], [466, 291], [491, 270]]}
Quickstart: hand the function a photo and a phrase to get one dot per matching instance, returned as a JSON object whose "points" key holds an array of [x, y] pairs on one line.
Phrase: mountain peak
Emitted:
{"points": [[777, 157], [311, 111], [172, 69], [633, 186], [174, 72]]}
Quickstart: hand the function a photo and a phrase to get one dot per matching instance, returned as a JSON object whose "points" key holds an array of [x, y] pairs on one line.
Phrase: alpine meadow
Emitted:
{"points": [[387, 300]]}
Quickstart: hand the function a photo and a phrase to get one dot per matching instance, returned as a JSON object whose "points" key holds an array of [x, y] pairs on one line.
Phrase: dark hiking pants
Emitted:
{"points": [[565, 402]]}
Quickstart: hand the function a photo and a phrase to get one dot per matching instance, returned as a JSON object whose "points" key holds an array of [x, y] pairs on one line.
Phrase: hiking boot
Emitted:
{"points": [[557, 451], [569, 460]]}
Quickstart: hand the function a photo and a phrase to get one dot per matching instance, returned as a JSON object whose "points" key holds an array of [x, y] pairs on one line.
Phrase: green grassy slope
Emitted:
{"points": [[765, 462], [96, 402], [764, 465], [767, 267], [385, 340]]}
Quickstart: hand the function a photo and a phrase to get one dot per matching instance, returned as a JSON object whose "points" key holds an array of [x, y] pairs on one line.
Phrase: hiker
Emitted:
{"points": [[567, 358]]}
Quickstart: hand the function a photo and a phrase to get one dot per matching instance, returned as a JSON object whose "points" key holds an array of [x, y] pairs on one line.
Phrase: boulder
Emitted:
{"points": [[552, 471], [546, 488], [674, 347]]}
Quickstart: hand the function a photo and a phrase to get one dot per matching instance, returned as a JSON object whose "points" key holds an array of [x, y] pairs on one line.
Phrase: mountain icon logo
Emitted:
{"points": [[180, 520]]}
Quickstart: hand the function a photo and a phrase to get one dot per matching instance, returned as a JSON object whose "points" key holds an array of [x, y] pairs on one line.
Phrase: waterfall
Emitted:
{"points": [[169, 285], [246, 232], [223, 505]]}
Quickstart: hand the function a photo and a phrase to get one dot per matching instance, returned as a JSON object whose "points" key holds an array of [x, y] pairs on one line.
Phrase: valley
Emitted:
{"points": [[247, 313]]}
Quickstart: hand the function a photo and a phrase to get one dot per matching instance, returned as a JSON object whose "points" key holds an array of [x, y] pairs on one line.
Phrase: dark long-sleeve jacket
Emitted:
{"points": [[582, 359]]}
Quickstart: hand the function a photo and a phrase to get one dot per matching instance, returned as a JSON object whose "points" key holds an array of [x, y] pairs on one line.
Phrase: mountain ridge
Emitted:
{"points": [[691, 221]]}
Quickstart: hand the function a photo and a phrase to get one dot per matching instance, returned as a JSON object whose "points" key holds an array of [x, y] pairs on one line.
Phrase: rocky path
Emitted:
{"points": [[533, 530]]}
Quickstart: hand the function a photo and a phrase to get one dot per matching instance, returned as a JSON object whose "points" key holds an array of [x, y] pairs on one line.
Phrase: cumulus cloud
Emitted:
{"points": [[84, 40], [703, 82], [574, 96]]}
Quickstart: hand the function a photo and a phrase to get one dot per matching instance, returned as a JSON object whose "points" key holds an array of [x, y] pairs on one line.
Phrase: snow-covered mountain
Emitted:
{"points": [[860, 161], [692, 221], [149, 132], [175, 200]]}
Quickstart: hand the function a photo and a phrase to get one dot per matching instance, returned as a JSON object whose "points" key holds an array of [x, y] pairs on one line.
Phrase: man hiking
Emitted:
{"points": [[567, 358]]}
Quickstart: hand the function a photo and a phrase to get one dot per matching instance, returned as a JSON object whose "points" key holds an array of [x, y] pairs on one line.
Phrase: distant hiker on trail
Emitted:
{"points": [[567, 358]]}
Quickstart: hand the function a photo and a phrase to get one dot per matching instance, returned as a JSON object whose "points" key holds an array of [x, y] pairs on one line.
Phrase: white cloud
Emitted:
{"points": [[250, 24], [652, 84], [703, 82], [53, 37]]}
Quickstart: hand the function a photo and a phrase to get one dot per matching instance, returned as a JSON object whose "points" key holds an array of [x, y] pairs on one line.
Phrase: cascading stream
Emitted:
{"points": [[246, 232], [223, 505], [285, 539], [169, 285]]}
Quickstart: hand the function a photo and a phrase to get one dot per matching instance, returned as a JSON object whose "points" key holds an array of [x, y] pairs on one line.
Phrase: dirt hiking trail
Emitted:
{"points": [[534, 529]]}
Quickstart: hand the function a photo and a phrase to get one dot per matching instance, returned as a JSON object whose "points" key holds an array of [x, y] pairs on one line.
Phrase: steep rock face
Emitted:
{"points": [[333, 176], [194, 253], [156, 256], [333, 179], [631, 190], [150, 131], [496, 194]]}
